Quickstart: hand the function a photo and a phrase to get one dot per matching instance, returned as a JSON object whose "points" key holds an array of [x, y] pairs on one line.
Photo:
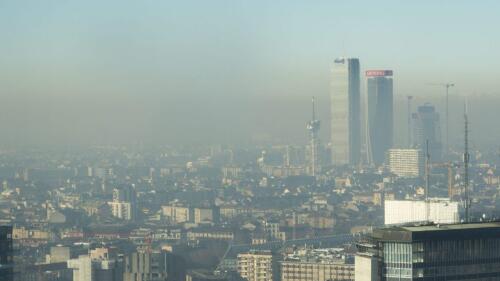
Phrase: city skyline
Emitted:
{"points": [[94, 66]]}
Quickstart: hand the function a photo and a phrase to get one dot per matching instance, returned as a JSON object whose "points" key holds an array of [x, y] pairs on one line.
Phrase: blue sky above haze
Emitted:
{"points": [[61, 54]]}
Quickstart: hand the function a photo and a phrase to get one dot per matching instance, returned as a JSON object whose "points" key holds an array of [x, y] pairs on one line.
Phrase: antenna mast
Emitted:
{"points": [[427, 174], [466, 165], [427, 163], [313, 128]]}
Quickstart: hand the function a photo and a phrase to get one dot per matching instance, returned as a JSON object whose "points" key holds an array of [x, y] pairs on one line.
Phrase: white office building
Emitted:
{"points": [[406, 163], [437, 210]]}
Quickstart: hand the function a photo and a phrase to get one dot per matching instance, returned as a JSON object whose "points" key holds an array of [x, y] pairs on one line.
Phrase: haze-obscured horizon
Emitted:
{"points": [[119, 72]]}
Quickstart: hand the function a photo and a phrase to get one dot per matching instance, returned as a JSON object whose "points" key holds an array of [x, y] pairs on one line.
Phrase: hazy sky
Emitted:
{"points": [[125, 71]]}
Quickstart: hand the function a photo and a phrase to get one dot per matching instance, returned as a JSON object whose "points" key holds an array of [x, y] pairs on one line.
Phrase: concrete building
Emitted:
{"points": [[345, 112], [155, 266], [176, 214], [121, 210], [432, 252], [317, 265], [82, 268], [379, 115], [58, 254], [258, 266], [100, 264], [406, 163], [124, 204], [366, 267], [436, 210], [203, 215]]}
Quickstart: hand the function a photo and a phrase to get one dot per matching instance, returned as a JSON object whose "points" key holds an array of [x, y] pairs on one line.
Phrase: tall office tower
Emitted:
{"points": [[6, 252], [436, 210], [426, 128], [313, 128], [379, 114], [258, 266], [431, 252], [345, 112], [406, 163]]}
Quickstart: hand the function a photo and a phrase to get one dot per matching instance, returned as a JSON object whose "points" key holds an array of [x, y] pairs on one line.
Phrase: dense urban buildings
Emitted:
{"points": [[6, 253], [345, 112], [177, 141], [380, 120]]}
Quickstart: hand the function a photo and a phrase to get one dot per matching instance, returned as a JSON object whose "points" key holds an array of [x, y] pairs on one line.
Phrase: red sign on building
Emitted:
{"points": [[378, 73]]}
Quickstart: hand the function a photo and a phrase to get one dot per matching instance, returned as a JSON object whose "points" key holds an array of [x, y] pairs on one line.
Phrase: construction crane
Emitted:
{"points": [[447, 86]]}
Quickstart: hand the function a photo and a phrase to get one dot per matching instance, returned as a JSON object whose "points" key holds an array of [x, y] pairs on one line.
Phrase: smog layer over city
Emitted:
{"points": [[249, 140]]}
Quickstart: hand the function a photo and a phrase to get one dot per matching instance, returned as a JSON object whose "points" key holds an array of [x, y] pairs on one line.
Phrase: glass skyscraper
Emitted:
{"points": [[379, 114], [426, 127], [345, 112]]}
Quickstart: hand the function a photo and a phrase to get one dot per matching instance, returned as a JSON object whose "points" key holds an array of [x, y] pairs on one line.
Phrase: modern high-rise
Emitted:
{"points": [[426, 127], [406, 163], [345, 112], [379, 119], [431, 252], [6, 250]]}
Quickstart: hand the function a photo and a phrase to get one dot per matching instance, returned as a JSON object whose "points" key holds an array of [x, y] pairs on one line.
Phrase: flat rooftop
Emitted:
{"points": [[438, 232]]}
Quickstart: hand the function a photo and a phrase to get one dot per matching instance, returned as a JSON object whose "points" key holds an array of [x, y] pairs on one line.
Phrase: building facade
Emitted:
{"points": [[345, 112], [6, 253], [316, 265], [436, 210], [406, 163], [432, 252], [257, 266], [124, 204], [379, 122], [154, 266], [426, 127]]}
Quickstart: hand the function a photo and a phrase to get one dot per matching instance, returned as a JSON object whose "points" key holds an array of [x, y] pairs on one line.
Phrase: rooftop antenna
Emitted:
{"points": [[313, 128], [427, 177], [427, 172], [466, 163]]}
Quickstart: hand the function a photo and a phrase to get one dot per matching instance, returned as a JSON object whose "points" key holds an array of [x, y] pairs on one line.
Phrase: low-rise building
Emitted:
{"points": [[317, 265]]}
